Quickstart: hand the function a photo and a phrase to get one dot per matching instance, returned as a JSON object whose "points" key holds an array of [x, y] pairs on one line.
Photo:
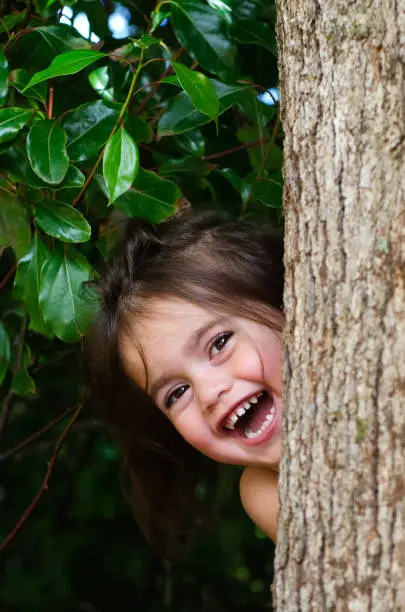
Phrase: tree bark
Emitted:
{"points": [[341, 538]]}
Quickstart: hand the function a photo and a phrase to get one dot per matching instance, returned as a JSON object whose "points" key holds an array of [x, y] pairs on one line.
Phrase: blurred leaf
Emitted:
{"points": [[73, 179], [187, 168], [99, 79], [120, 164], [20, 78], [3, 78], [22, 383], [181, 115], [27, 284], [269, 191], [139, 129], [146, 41], [200, 89], [65, 306], [87, 129], [14, 224], [4, 352], [62, 221], [20, 361], [252, 32], [151, 198], [67, 63], [46, 148], [12, 120], [222, 8], [233, 177], [192, 141], [158, 17], [9, 21], [199, 29]]}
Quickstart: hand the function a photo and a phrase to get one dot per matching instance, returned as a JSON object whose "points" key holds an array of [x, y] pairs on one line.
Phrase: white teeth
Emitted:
{"points": [[252, 434], [239, 412]]}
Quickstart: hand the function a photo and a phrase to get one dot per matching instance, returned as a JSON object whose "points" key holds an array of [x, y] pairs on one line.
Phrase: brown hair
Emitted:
{"points": [[217, 262]]}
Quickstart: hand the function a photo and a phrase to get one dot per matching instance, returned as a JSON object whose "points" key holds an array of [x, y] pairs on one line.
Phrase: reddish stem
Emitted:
{"points": [[246, 145], [44, 484], [9, 274], [50, 101], [165, 73], [35, 435]]}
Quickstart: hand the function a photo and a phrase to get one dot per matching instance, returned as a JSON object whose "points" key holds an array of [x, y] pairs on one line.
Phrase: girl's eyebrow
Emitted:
{"points": [[199, 333], [193, 341]]}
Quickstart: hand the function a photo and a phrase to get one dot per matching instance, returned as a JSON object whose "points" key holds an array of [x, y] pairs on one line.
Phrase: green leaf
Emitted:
{"points": [[186, 168], [193, 142], [3, 78], [46, 148], [181, 115], [20, 78], [120, 164], [171, 80], [99, 79], [14, 224], [62, 221], [200, 89], [158, 18], [151, 198], [146, 41], [74, 179], [252, 32], [233, 177], [67, 63], [199, 28], [269, 190], [22, 383], [27, 284], [12, 120], [139, 129], [4, 352], [9, 21], [87, 129], [66, 307]]}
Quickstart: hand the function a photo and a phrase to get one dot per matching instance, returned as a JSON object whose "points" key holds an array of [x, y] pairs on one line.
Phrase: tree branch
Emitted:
{"points": [[8, 275], [44, 484], [34, 436]]}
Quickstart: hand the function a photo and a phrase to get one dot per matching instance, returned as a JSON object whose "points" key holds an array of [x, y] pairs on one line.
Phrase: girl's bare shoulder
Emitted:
{"points": [[259, 494]]}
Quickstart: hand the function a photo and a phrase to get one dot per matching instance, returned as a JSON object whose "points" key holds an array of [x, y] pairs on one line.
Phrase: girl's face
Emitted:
{"points": [[216, 377]]}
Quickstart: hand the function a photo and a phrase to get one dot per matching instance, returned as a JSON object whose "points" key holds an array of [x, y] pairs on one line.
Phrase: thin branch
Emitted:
{"points": [[264, 159], [8, 275], [34, 436], [7, 404], [50, 101], [165, 73], [44, 484], [5, 412], [117, 123], [28, 12], [246, 145]]}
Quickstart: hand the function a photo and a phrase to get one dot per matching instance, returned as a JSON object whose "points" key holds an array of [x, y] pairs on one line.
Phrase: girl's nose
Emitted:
{"points": [[212, 389]]}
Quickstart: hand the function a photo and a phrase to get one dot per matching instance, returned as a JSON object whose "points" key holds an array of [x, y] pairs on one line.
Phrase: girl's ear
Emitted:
{"points": [[259, 494]]}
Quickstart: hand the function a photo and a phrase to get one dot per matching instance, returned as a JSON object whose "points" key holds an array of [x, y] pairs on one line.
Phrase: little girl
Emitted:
{"points": [[185, 356]]}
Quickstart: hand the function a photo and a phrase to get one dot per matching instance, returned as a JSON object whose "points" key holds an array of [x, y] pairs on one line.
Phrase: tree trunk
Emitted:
{"points": [[342, 482]]}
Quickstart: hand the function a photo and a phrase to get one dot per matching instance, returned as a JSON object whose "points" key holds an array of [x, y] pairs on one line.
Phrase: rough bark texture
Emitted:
{"points": [[342, 484]]}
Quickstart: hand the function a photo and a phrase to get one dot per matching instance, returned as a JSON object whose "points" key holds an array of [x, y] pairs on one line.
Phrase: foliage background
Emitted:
{"points": [[210, 136]]}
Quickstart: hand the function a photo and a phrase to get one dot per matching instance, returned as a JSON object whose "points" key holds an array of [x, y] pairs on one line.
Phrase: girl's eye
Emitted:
{"points": [[175, 395], [218, 343]]}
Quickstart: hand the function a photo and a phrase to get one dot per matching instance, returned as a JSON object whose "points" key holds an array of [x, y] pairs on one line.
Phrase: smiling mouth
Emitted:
{"points": [[252, 418]]}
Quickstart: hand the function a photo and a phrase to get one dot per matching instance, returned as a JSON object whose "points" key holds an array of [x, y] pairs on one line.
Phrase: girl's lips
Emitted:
{"points": [[273, 428]]}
